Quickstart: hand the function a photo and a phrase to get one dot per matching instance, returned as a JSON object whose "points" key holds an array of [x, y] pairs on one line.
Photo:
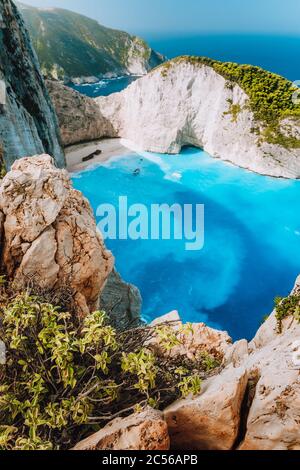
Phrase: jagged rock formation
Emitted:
{"points": [[80, 117], [254, 403], [201, 338], [73, 47], [28, 123], [210, 421], [251, 403], [215, 106], [274, 416], [121, 301], [49, 233], [141, 431]]}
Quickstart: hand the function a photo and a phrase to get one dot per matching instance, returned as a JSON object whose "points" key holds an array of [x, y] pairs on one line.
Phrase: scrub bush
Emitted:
{"points": [[285, 307], [65, 378]]}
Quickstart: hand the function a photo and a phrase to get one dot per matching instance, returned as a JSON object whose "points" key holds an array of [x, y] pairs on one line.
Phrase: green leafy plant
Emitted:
{"points": [[168, 337], [190, 385], [208, 361], [234, 110], [64, 378]]}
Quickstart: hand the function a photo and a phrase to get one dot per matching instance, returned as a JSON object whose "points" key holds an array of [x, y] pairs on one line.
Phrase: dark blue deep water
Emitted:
{"points": [[279, 54], [252, 237]]}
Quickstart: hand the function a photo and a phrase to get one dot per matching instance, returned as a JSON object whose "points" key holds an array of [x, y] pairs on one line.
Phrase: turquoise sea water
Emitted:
{"points": [[252, 237], [105, 87]]}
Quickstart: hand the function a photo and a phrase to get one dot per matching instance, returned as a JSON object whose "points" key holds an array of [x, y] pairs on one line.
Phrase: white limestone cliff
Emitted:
{"points": [[190, 104]]}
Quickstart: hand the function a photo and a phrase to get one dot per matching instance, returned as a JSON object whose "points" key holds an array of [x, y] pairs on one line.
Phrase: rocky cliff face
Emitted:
{"points": [[121, 301], [254, 403], [251, 403], [73, 47], [274, 415], [189, 102], [28, 123], [80, 117]]}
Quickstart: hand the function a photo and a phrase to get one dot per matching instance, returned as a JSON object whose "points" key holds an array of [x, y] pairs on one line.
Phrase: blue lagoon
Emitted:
{"points": [[252, 237]]}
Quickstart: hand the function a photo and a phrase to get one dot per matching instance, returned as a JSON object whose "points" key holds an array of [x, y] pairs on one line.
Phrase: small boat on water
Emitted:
{"points": [[136, 172]]}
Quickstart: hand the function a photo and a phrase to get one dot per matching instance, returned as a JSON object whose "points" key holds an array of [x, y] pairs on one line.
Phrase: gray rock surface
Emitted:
{"points": [[121, 301], [80, 118]]}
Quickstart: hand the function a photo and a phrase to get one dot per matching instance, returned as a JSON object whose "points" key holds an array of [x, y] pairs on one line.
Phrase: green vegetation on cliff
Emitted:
{"points": [[270, 95], [286, 307], [72, 45]]}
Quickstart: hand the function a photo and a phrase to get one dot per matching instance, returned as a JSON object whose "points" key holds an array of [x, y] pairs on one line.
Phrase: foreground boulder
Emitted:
{"points": [[49, 233], [210, 421], [197, 339], [141, 431]]}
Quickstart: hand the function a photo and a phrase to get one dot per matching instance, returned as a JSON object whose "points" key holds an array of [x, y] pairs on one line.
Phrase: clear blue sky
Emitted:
{"points": [[194, 16]]}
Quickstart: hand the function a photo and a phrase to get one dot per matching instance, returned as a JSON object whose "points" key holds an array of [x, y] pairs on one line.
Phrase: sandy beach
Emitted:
{"points": [[109, 148]]}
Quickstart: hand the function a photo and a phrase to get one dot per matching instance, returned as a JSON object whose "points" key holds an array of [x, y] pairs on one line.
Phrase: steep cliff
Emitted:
{"points": [[80, 117], [121, 301], [73, 47], [28, 124], [241, 114]]}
